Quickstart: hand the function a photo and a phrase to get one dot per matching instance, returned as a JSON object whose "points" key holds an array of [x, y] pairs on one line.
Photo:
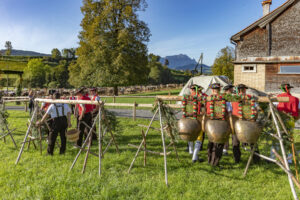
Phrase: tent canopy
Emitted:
{"points": [[205, 82]]}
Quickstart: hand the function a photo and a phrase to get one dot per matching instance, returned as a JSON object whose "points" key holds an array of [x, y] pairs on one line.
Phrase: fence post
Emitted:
{"points": [[114, 99], [26, 107], [169, 95], [134, 111], [3, 107]]}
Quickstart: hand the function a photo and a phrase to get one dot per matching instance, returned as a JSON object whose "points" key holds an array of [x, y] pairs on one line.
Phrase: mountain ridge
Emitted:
{"points": [[17, 52]]}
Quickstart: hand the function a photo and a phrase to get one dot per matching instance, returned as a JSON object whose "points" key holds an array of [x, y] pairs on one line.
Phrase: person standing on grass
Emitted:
{"points": [[228, 90], [196, 90], [95, 97], [72, 97], [31, 101], [242, 92], [84, 114], [215, 150], [60, 115]]}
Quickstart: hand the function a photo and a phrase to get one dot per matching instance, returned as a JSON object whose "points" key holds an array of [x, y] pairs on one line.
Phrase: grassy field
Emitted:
{"points": [[46, 177]]}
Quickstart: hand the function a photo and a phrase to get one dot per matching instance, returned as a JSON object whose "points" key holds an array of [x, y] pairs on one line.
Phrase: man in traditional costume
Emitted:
{"points": [[60, 115], [196, 90], [292, 107], [215, 150], [84, 114], [228, 91], [242, 89]]}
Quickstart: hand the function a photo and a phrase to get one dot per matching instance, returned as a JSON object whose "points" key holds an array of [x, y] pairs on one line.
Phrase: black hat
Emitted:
{"points": [[215, 86], [51, 92], [80, 90], [242, 86], [194, 86], [227, 87], [285, 85], [56, 95]]}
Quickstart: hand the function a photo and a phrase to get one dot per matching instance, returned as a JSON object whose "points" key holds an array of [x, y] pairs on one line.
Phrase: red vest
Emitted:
{"points": [[235, 107], [94, 98], [88, 107], [290, 107]]}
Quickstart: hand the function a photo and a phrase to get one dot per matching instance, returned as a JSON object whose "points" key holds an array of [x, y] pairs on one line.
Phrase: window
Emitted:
{"points": [[249, 68], [284, 69]]}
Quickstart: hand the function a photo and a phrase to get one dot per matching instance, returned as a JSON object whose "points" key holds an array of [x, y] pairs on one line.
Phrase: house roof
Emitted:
{"points": [[262, 22]]}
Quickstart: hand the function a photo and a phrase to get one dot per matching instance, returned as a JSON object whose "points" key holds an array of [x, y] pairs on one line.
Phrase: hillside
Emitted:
{"points": [[16, 52]]}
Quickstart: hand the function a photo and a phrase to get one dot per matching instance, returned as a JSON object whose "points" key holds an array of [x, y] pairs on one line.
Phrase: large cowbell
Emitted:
{"points": [[247, 131], [189, 129], [217, 131]]}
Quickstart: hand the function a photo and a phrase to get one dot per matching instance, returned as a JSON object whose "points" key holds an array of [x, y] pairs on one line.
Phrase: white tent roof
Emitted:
{"points": [[204, 81]]}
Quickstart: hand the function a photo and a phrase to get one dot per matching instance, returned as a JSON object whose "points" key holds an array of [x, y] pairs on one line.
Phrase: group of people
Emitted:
{"points": [[58, 116], [215, 151]]}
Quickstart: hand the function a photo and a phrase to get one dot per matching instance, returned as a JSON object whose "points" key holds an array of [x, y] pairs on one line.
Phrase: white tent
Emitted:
{"points": [[205, 82]]}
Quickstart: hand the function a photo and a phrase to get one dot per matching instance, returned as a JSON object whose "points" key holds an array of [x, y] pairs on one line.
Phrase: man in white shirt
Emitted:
{"points": [[60, 115]]}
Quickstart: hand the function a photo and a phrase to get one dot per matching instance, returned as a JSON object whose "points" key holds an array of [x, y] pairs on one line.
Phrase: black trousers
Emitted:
{"points": [[58, 125], [235, 148], [214, 153], [87, 118]]}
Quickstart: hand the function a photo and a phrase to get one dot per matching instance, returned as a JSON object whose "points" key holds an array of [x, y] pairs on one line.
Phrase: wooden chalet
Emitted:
{"points": [[268, 51]]}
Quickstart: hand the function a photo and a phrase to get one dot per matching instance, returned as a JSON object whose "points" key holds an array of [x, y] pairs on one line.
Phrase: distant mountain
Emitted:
{"points": [[184, 62], [16, 52], [178, 60]]}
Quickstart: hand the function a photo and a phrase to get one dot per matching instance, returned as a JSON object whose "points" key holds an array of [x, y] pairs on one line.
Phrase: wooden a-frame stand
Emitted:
{"points": [[88, 141], [143, 143], [282, 163], [7, 132]]}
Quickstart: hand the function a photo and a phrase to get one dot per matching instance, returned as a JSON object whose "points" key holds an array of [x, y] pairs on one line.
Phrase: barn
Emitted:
{"points": [[268, 51]]}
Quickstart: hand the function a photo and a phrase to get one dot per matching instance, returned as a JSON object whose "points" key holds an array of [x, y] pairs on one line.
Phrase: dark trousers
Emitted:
{"points": [[214, 153], [58, 125], [87, 118], [235, 148]]}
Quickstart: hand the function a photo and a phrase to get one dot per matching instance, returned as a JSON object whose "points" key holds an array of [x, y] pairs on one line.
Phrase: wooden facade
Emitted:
{"points": [[268, 51]]}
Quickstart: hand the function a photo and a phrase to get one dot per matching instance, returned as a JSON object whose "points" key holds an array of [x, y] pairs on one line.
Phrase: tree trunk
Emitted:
{"points": [[116, 93]]}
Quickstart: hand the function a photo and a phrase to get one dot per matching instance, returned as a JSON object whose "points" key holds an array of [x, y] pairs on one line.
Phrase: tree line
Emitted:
{"points": [[112, 52]]}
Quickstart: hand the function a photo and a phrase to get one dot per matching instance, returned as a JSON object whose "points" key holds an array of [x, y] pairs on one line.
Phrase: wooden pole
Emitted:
{"points": [[26, 135], [115, 143], [26, 107], [87, 154], [293, 144], [282, 148], [141, 144], [134, 111], [100, 138], [83, 145], [249, 160], [10, 134], [114, 99], [163, 142], [145, 147]]}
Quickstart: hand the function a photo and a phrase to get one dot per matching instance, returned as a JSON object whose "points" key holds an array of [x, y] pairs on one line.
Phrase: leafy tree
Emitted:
{"points": [[223, 64], [35, 73], [8, 47], [61, 74], [69, 53], [113, 49], [56, 54]]}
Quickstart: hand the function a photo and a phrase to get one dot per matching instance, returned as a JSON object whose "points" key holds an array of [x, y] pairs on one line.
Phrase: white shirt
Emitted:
{"points": [[53, 113], [228, 107]]}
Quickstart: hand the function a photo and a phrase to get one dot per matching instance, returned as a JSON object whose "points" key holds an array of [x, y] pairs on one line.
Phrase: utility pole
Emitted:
{"points": [[201, 58]]}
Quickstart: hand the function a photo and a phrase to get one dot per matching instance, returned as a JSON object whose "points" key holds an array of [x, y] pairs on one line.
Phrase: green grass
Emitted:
{"points": [[12, 65], [45, 177]]}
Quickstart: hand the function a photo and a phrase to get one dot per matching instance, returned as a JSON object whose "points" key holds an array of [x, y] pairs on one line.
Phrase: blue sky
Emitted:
{"points": [[177, 26]]}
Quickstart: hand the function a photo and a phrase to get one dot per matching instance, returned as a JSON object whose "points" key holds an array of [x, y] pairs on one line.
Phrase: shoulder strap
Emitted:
{"points": [[57, 113]]}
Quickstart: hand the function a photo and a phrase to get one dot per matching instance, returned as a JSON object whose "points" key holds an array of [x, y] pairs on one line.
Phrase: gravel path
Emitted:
{"points": [[143, 114]]}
